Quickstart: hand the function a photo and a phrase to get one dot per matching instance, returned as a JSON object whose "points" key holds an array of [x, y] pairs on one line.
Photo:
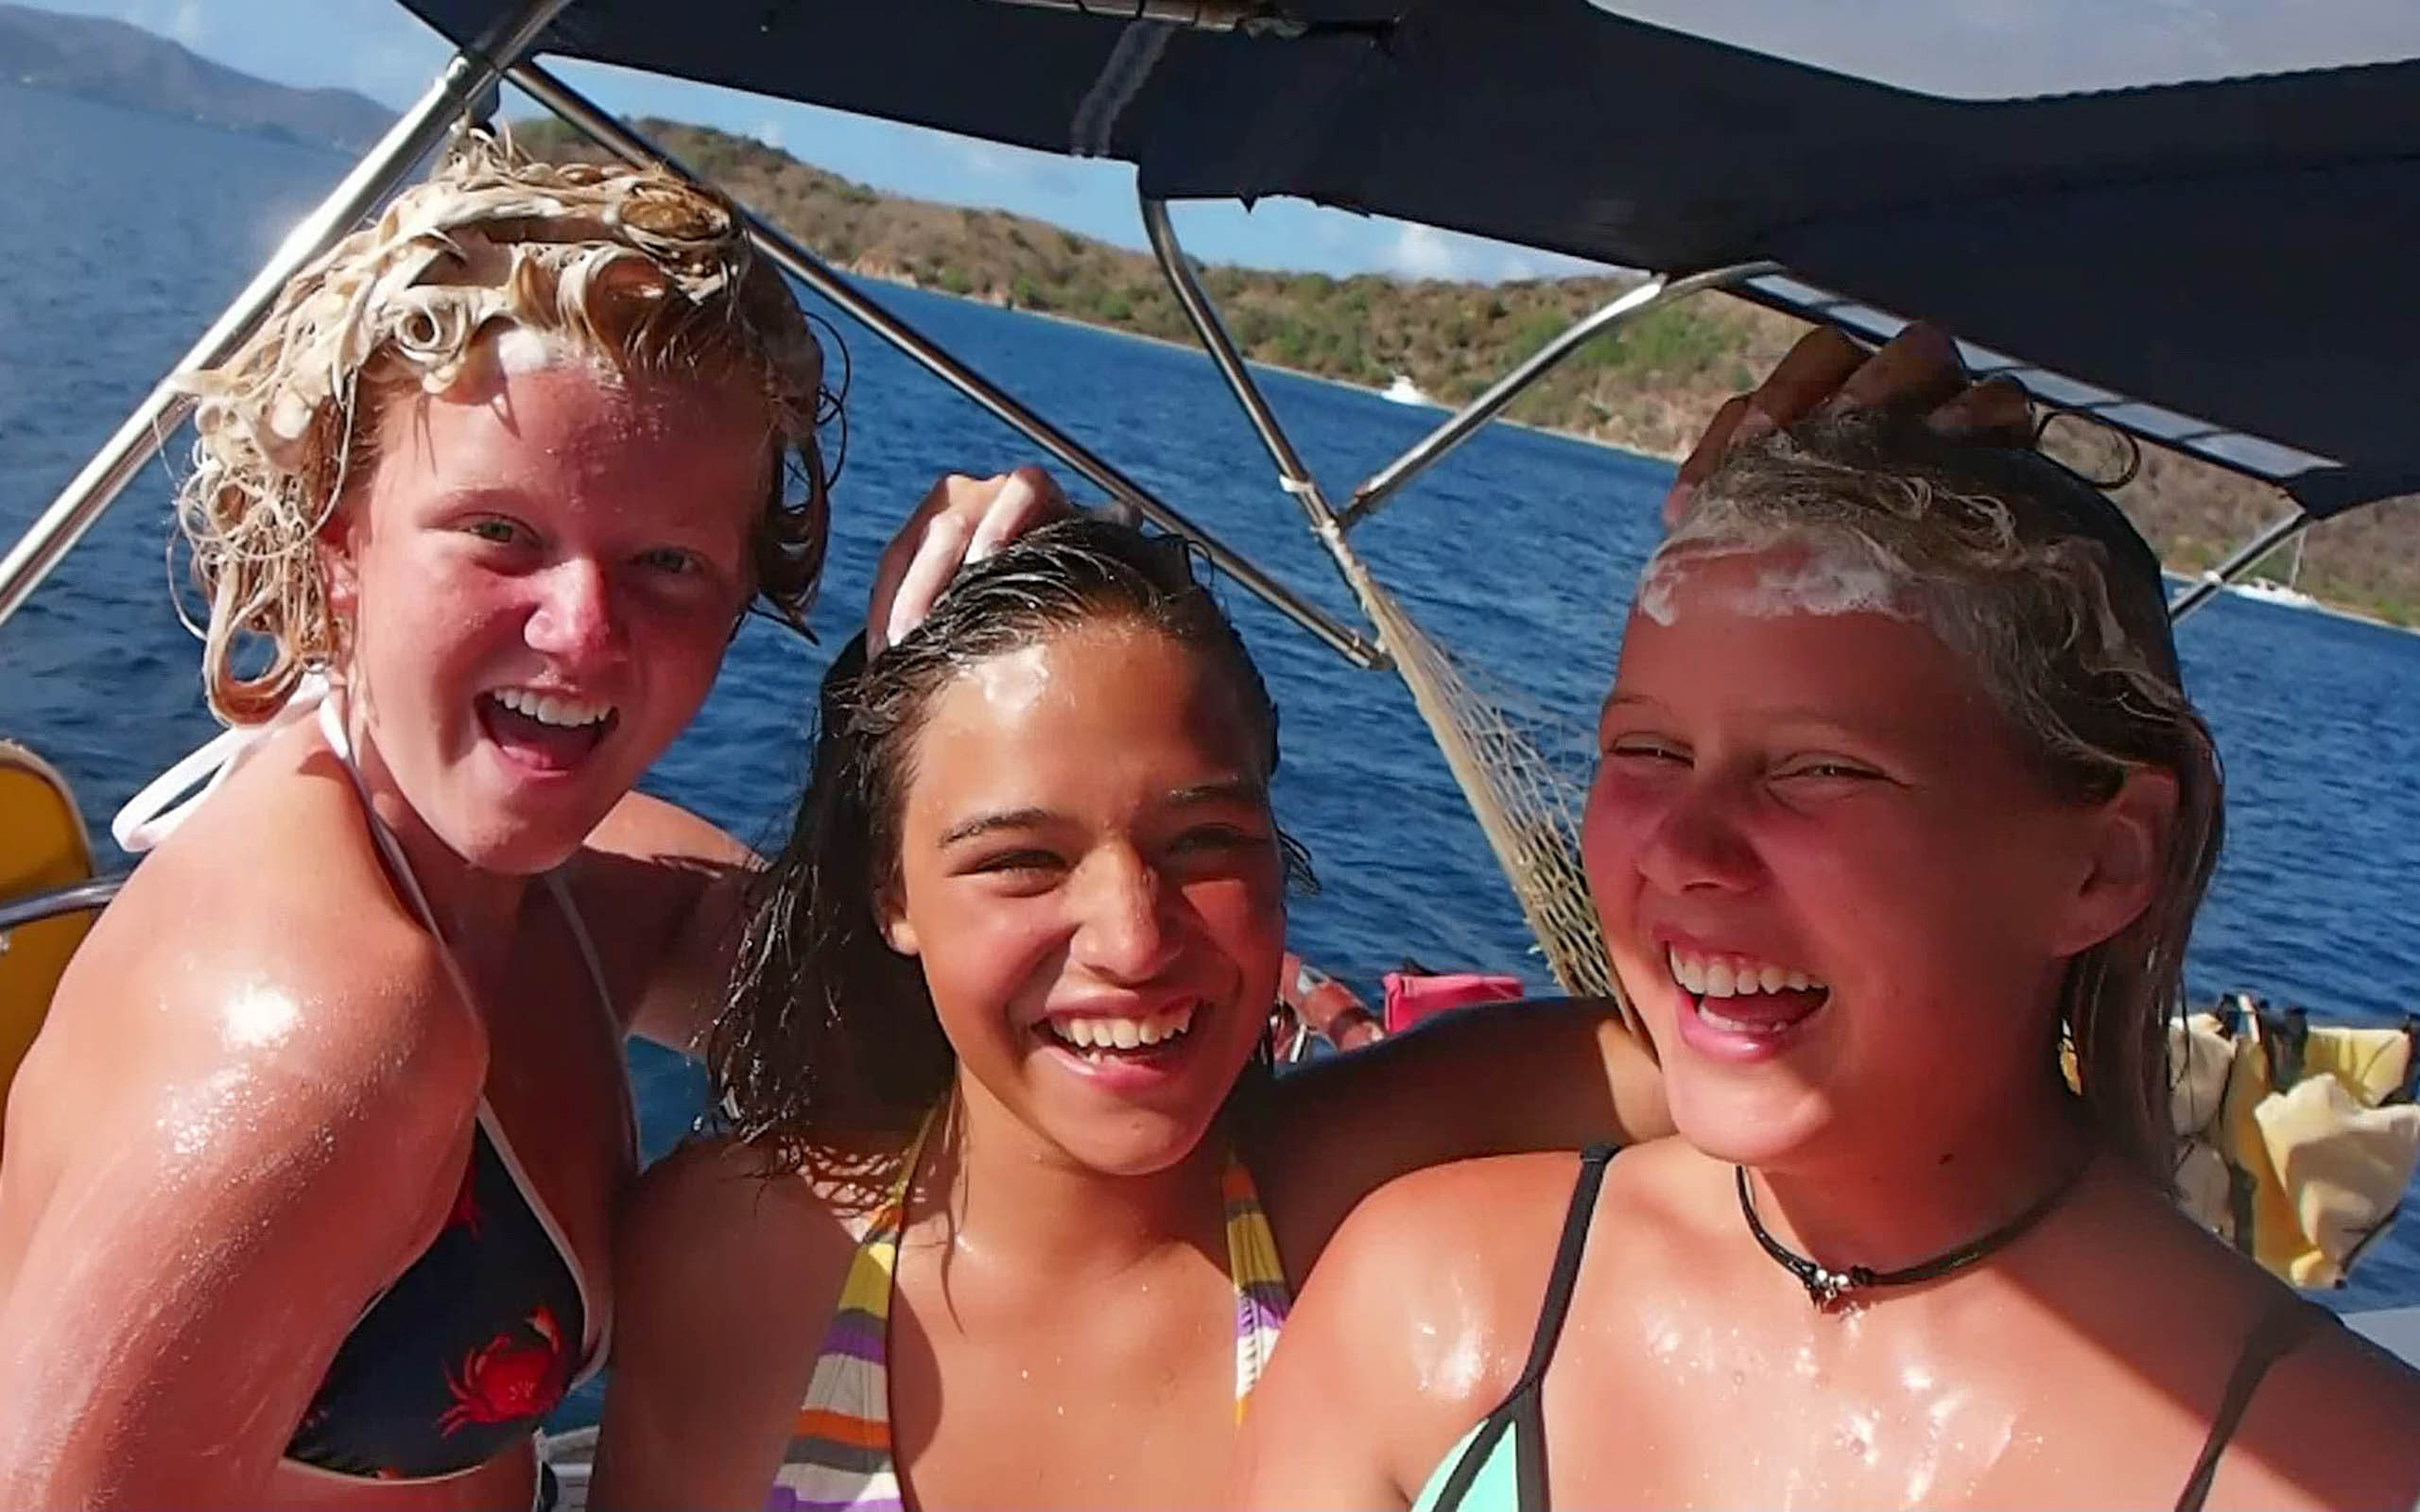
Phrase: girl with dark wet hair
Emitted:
{"points": [[1009, 1195]]}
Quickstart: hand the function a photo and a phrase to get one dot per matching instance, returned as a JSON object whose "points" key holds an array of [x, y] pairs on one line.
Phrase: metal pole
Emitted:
{"points": [[807, 268], [84, 896], [2277, 533], [1454, 432], [472, 72], [1293, 476]]}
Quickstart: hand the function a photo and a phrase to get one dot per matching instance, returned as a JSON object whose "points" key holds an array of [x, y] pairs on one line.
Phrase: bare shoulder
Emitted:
{"points": [[1452, 1261], [712, 1214], [2331, 1425], [298, 964], [646, 828], [728, 1273]]}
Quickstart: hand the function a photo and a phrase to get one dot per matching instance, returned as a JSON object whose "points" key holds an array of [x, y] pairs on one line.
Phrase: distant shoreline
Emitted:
{"points": [[1443, 410], [278, 136]]}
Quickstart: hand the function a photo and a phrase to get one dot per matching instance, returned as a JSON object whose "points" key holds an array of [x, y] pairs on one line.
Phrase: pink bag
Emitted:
{"points": [[1411, 998]]}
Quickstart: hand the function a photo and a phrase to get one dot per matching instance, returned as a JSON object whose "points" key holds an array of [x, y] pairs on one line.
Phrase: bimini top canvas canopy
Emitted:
{"points": [[2222, 264]]}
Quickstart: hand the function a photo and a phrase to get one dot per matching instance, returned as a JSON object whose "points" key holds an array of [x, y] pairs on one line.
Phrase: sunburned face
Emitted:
{"points": [[541, 578], [1090, 877], [1839, 898]]}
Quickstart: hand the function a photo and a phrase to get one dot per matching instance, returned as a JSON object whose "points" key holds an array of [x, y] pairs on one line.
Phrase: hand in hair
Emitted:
{"points": [[1920, 372], [963, 520]]}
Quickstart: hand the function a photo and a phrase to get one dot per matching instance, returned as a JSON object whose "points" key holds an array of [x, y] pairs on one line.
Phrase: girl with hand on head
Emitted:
{"points": [[1009, 1208], [1899, 797]]}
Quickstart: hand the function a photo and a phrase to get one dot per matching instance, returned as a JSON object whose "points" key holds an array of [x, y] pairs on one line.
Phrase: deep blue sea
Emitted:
{"points": [[127, 234]]}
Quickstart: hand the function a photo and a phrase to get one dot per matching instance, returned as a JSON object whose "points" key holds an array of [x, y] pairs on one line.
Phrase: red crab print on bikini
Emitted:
{"points": [[506, 1380]]}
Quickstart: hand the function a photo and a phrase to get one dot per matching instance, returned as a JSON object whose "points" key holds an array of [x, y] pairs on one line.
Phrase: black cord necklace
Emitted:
{"points": [[1826, 1286]]}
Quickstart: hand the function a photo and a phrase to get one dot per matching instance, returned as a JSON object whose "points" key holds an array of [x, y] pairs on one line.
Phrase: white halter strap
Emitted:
{"points": [[151, 816]]}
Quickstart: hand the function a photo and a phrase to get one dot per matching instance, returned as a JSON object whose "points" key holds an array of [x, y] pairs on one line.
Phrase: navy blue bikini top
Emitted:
{"points": [[470, 1349], [488, 1329]]}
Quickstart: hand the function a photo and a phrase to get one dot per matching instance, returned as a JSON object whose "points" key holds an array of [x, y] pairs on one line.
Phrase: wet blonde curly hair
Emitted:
{"points": [[636, 265]]}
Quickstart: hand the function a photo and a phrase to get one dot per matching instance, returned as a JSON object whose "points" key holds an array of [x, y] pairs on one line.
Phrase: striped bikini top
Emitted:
{"points": [[840, 1453]]}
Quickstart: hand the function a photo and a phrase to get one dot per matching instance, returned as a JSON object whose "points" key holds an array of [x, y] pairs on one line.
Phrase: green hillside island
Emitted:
{"points": [[1647, 387]]}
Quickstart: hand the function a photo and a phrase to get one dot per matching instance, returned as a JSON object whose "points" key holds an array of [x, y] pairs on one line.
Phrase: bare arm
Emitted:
{"points": [[671, 883], [1497, 1079], [724, 1280], [199, 1229]]}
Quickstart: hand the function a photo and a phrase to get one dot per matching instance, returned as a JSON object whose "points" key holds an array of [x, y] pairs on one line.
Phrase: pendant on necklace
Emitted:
{"points": [[1825, 1288]]}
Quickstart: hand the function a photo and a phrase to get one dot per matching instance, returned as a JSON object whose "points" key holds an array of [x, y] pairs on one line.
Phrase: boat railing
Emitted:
{"points": [[1524, 802], [84, 896]]}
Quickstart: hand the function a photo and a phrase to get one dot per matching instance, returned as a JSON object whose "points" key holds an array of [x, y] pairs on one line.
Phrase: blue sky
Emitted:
{"points": [[381, 50], [1987, 48]]}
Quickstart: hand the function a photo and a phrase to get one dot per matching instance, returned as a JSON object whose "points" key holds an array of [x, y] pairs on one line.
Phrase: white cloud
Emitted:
{"points": [[1425, 251], [189, 25], [767, 132]]}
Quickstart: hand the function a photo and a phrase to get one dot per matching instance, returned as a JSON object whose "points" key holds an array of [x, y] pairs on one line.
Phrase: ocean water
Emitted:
{"points": [[129, 232]]}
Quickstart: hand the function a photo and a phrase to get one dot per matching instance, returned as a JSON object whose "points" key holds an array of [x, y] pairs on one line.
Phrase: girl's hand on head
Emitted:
{"points": [[961, 521], [1920, 370]]}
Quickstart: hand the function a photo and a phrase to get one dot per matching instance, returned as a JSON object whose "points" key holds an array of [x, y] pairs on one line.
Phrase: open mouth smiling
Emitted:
{"points": [[1741, 995]]}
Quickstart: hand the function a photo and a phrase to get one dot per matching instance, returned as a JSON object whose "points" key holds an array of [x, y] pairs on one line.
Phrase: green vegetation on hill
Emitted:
{"points": [[1649, 385]]}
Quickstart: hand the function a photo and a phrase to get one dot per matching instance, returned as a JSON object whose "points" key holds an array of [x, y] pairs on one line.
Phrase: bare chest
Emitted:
{"points": [[1725, 1416], [557, 1089], [1108, 1401]]}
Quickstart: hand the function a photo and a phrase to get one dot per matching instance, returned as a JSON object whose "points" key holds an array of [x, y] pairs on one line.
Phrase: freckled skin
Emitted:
{"points": [[1832, 791]]}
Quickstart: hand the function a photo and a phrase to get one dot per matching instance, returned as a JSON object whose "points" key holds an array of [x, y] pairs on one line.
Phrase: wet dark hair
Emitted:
{"points": [[2036, 581], [828, 1032]]}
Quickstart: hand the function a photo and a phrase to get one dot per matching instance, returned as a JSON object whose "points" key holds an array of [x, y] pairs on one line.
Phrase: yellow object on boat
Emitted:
{"points": [[42, 846], [2315, 1139]]}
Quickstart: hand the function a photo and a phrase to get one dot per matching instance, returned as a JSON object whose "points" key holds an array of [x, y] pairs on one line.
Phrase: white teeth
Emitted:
{"points": [[1123, 1034], [1735, 977], [553, 709], [1688, 972]]}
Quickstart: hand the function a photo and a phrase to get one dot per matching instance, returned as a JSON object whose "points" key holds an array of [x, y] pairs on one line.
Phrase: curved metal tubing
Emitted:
{"points": [[600, 126], [1650, 295], [86, 897], [89, 494], [1296, 478], [2277, 533]]}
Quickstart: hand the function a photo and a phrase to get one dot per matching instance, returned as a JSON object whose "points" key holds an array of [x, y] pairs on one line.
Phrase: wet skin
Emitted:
{"points": [[1086, 835], [1830, 794], [253, 1099]]}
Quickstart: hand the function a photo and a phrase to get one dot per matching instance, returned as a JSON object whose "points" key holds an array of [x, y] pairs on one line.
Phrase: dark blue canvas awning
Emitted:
{"points": [[2222, 264]]}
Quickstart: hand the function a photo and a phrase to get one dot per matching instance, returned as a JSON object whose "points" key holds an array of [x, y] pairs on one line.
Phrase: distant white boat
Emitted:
{"points": [[2284, 595], [2278, 593], [1404, 391]]}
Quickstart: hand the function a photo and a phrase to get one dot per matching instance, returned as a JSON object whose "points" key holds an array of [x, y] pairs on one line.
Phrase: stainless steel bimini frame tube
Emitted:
{"points": [[1292, 476], [610, 133], [2241, 561], [1653, 294], [471, 73]]}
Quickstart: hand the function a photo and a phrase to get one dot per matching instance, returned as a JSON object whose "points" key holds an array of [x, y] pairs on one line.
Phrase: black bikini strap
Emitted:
{"points": [[2278, 1333], [1568, 1251], [1523, 1409], [1530, 1398]]}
